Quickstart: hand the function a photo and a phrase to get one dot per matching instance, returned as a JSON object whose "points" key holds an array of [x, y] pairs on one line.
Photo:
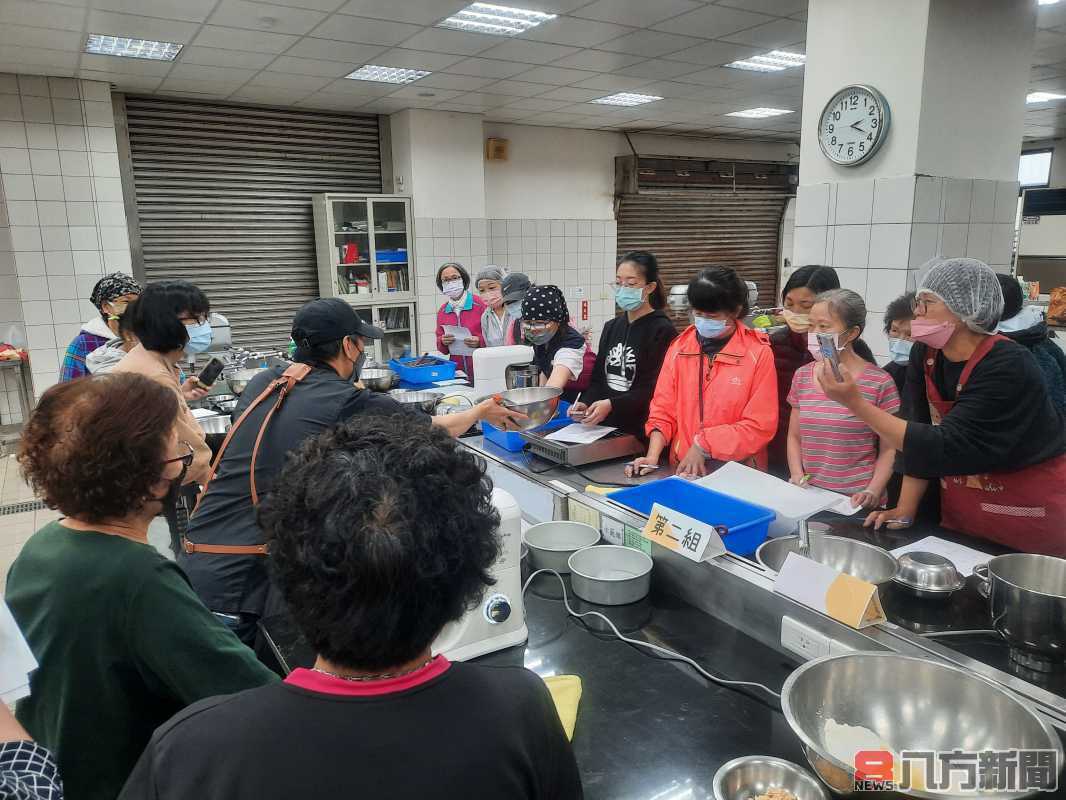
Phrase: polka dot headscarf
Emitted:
{"points": [[545, 303]]}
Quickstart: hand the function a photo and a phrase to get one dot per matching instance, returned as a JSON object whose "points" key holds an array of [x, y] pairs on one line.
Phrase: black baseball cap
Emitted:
{"points": [[329, 319], [514, 286]]}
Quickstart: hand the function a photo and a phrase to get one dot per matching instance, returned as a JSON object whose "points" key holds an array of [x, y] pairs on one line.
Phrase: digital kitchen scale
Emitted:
{"points": [[614, 445]]}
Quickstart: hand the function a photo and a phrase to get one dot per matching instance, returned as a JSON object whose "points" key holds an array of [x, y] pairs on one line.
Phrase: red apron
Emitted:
{"points": [[1024, 509]]}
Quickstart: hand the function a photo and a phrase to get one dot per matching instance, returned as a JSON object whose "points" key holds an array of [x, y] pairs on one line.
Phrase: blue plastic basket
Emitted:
{"points": [[748, 523], [513, 441], [441, 370]]}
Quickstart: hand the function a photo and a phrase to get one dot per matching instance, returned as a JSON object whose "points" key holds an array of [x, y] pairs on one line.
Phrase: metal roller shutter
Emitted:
{"points": [[223, 199]]}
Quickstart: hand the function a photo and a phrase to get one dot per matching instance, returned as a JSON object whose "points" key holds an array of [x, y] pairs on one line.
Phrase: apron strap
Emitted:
{"points": [[982, 350], [289, 378]]}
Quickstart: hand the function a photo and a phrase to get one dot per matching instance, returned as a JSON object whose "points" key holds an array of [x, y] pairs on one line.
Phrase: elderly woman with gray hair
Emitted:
{"points": [[976, 417], [494, 319]]}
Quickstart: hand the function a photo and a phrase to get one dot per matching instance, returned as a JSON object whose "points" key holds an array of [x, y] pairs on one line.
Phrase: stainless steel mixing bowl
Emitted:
{"points": [[239, 379], [538, 403], [907, 703], [427, 401], [378, 379], [750, 776], [928, 575], [850, 556]]}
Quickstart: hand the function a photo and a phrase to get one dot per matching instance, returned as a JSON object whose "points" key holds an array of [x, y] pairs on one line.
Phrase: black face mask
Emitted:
{"points": [[170, 499], [357, 366]]}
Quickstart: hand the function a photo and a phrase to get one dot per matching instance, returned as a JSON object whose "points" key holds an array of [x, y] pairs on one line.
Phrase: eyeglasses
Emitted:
{"points": [[186, 459], [191, 320], [921, 304], [536, 328]]}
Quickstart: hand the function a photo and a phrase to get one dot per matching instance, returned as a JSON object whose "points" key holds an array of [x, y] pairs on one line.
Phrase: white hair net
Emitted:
{"points": [[968, 287]]}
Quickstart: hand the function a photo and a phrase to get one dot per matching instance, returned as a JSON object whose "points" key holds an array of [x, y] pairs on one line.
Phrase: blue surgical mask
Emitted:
{"points": [[629, 298], [709, 328], [900, 350], [199, 338], [514, 310]]}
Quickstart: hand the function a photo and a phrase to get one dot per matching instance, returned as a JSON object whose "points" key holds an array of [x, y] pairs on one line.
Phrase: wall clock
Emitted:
{"points": [[853, 125]]}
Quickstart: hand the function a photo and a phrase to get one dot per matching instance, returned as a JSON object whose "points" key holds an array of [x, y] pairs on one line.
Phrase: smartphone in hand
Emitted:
{"points": [[828, 347], [209, 374]]}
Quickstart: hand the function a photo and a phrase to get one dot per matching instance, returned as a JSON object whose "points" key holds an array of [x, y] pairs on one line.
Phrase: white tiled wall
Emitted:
{"points": [[576, 255], [878, 233], [62, 208]]}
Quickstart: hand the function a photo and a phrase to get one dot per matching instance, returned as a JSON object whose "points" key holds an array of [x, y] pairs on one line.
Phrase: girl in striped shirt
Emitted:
{"points": [[828, 446]]}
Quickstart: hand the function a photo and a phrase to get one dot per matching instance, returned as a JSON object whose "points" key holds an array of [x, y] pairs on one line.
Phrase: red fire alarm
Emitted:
{"points": [[584, 310]]}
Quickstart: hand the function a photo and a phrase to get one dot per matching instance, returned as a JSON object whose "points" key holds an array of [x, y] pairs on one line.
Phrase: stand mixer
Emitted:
{"points": [[497, 369], [498, 621]]}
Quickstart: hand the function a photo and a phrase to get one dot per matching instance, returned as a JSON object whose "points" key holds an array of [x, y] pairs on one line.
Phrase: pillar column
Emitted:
{"points": [[954, 74]]}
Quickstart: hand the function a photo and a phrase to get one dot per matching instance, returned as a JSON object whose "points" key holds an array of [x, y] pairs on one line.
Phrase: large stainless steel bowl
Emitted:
{"points": [[239, 379], [750, 776], [905, 703], [378, 379], [850, 556], [538, 403], [427, 401], [1027, 600]]}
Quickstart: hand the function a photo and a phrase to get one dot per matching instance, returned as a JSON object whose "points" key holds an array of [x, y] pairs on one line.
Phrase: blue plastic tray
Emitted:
{"points": [[441, 370], [748, 523], [513, 442]]}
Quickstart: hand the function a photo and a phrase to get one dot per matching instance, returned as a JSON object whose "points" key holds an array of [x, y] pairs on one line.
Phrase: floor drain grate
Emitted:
{"points": [[22, 508]]}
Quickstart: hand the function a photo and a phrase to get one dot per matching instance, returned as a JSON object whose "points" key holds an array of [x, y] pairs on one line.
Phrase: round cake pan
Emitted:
{"points": [[610, 575]]}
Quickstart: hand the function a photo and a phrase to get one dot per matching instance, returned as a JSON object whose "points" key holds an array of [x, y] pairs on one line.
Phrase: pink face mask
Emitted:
{"points": [[933, 334], [493, 298]]}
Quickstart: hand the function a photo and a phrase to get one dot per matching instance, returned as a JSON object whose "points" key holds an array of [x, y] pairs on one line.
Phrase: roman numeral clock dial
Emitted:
{"points": [[853, 125]]}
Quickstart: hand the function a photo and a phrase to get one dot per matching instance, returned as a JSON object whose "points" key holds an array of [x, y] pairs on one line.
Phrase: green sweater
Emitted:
{"points": [[123, 644]]}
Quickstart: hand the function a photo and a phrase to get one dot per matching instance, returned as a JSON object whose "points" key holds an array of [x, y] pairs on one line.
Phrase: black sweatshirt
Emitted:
{"points": [[627, 367], [1003, 421]]}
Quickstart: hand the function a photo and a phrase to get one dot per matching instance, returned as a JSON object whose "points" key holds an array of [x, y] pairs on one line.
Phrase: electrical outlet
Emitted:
{"points": [[803, 640]]}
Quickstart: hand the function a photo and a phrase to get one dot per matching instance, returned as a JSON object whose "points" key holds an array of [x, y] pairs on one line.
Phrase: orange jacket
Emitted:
{"points": [[739, 398]]}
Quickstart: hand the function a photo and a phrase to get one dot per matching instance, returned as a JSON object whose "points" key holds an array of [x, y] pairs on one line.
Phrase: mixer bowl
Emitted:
{"points": [[538, 403], [239, 379], [427, 401], [865, 561], [905, 703]]}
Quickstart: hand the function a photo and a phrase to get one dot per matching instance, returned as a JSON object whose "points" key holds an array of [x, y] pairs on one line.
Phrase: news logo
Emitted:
{"points": [[957, 771]]}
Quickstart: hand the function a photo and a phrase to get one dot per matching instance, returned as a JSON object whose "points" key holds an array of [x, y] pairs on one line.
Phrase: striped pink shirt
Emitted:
{"points": [[838, 448]]}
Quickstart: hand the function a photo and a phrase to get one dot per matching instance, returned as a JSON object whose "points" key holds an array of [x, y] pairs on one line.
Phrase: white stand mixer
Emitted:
{"points": [[499, 620]]}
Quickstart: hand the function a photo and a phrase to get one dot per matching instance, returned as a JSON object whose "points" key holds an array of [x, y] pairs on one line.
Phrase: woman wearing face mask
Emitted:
{"points": [[716, 397], [111, 294], [461, 309], [559, 351], [170, 323], [122, 642], [494, 319], [828, 446], [976, 418], [898, 316], [632, 349]]}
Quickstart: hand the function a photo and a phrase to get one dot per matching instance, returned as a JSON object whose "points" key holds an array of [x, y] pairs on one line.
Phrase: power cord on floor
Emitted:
{"points": [[658, 649]]}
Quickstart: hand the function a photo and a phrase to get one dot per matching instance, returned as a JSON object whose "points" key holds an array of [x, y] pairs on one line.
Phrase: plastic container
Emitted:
{"points": [[441, 370], [392, 256], [513, 442], [748, 523]]}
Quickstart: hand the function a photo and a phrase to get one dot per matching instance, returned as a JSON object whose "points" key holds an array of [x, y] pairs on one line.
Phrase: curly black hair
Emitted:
{"points": [[899, 310], [94, 447], [382, 530]]}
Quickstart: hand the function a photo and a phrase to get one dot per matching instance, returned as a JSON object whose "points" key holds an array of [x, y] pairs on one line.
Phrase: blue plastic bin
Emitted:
{"points": [[512, 440], [441, 370], [748, 523]]}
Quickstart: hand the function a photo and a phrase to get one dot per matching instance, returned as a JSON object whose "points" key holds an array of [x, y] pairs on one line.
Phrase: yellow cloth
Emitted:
{"points": [[566, 692], [593, 489]]}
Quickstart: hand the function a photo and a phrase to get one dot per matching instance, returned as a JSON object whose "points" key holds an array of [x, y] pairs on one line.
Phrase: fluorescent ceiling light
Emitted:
{"points": [[759, 113], [1046, 2], [1043, 97], [105, 45], [626, 99], [774, 61], [498, 20], [371, 72]]}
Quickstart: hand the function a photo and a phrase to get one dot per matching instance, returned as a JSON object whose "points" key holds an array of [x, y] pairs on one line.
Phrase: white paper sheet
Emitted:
{"points": [[964, 558], [452, 382], [203, 413], [16, 659], [459, 347], [577, 433]]}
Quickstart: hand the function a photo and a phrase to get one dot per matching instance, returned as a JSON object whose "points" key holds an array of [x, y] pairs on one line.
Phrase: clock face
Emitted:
{"points": [[853, 125]]}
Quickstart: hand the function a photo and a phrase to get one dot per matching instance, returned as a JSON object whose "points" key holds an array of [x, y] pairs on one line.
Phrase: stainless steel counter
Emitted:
{"points": [[732, 589]]}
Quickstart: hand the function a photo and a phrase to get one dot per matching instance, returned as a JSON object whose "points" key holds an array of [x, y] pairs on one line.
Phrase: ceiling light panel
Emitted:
{"points": [[125, 47], [496, 20], [1043, 97], [626, 99], [376, 74], [774, 61], [759, 113]]}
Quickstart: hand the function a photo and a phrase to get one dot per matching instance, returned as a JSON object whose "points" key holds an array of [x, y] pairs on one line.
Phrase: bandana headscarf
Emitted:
{"points": [[112, 286], [545, 303]]}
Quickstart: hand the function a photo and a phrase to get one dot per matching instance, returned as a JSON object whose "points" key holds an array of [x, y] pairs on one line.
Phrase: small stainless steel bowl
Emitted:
{"points": [[750, 776], [216, 423], [427, 401], [239, 379], [379, 380], [866, 562], [610, 575], [928, 575], [552, 543], [538, 403]]}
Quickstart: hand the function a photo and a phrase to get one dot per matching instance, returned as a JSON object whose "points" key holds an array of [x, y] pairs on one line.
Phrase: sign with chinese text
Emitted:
{"points": [[845, 598], [684, 535]]}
